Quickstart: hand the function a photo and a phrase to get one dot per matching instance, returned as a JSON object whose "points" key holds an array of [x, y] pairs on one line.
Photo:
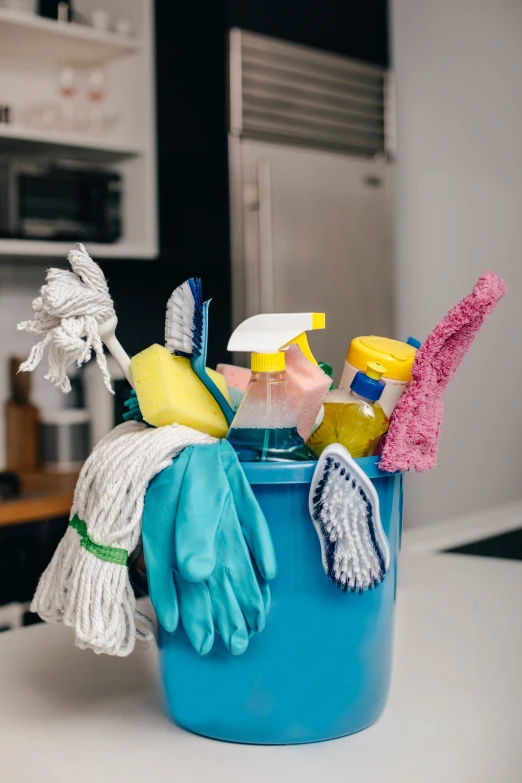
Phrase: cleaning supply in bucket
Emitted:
{"points": [[396, 356], [172, 382], [186, 334], [236, 398], [413, 342], [305, 384], [411, 443], [265, 426], [86, 585], [169, 391], [237, 379], [74, 314], [354, 419], [328, 369], [344, 507], [132, 406], [235, 376], [203, 531]]}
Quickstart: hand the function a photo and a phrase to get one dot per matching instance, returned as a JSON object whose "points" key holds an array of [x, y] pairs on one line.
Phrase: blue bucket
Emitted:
{"points": [[321, 668]]}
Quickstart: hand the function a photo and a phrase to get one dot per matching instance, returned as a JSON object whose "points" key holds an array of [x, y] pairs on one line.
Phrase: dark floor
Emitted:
{"points": [[507, 546]]}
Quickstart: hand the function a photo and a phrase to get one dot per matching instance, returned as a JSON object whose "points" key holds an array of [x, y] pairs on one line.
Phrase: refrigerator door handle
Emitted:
{"points": [[266, 254]]}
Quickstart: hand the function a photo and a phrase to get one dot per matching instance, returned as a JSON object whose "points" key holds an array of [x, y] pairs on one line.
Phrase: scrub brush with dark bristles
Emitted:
{"points": [[186, 334], [344, 506]]}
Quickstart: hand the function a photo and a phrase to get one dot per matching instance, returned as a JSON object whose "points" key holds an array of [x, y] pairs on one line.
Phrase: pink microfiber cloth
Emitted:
{"points": [[411, 442], [307, 386]]}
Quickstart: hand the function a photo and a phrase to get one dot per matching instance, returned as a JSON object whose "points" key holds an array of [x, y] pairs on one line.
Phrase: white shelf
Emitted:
{"points": [[32, 52], [35, 248], [33, 37], [81, 146]]}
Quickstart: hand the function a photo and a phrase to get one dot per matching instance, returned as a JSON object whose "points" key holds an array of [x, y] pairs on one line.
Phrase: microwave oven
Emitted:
{"points": [[53, 201]]}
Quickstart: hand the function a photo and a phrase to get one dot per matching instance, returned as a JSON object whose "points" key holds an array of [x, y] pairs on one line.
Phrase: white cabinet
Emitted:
{"points": [[33, 50]]}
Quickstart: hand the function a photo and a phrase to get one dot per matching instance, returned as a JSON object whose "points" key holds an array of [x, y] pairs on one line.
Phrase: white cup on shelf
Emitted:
{"points": [[122, 26], [101, 19]]}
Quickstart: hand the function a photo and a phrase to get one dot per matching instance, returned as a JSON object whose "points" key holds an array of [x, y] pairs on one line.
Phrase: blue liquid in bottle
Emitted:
{"points": [[268, 445], [265, 427]]}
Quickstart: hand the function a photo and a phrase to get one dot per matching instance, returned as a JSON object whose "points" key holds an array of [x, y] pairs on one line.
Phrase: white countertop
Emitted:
{"points": [[454, 714]]}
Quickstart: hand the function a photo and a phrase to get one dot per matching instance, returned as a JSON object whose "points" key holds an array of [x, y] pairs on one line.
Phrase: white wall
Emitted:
{"points": [[19, 284], [458, 67]]}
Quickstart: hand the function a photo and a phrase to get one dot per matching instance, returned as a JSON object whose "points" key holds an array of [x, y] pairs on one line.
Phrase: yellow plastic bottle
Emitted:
{"points": [[354, 419], [396, 356]]}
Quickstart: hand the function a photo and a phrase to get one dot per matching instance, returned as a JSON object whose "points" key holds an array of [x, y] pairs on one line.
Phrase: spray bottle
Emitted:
{"points": [[264, 428]]}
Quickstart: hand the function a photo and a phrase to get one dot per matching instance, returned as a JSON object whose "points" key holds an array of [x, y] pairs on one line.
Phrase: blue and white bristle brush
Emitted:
{"points": [[344, 506], [186, 334]]}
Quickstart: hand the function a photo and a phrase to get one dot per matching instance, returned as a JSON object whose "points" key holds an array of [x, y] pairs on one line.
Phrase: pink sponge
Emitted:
{"points": [[238, 377], [307, 387]]}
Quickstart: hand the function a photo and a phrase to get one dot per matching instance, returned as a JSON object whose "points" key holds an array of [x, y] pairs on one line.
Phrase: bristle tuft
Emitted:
{"points": [[184, 319]]}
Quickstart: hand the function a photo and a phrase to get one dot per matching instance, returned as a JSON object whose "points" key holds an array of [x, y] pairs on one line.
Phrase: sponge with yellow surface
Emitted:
{"points": [[168, 391]]}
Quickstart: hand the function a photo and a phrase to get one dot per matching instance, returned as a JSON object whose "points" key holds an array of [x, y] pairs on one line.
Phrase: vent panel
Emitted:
{"points": [[297, 95]]}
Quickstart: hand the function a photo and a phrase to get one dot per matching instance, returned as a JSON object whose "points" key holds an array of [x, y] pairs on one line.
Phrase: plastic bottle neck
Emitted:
{"points": [[265, 377], [359, 398]]}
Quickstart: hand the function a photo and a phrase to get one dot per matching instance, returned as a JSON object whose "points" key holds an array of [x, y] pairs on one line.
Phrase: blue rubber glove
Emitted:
{"points": [[202, 528], [133, 412]]}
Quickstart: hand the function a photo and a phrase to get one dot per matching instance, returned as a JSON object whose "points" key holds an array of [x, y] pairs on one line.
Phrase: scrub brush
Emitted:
{"points": [[345, 511], [186, 334]]}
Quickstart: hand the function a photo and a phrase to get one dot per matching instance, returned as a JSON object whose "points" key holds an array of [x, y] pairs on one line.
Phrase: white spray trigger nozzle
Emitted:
{"points": [[269, 332]]}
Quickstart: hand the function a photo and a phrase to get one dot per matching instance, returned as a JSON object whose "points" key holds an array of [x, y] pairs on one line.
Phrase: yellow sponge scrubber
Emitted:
{"points": [[168, 391]]}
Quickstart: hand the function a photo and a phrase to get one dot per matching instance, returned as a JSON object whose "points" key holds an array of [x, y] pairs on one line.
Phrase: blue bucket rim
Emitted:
{"points": [[301, 472]]}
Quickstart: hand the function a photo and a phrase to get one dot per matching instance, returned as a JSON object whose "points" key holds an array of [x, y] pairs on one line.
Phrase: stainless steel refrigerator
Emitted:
{"points": [[311, 184]]}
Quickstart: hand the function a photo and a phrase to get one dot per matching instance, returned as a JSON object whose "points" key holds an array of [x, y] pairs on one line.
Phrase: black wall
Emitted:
{"points": [[356, 28], [191, 62], [192, 179]]}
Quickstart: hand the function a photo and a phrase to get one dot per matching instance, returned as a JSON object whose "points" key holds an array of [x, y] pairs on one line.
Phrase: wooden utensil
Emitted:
{"points": [[21, 422]]}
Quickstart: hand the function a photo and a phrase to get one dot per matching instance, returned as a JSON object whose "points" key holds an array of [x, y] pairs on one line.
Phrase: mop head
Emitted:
{"points": [[413, 436], [345, 511], [86, 586], [68, 311]]}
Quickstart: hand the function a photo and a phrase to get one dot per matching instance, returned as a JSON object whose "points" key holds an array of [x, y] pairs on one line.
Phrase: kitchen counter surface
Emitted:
{"points": [[44, 496], [454, 714]]}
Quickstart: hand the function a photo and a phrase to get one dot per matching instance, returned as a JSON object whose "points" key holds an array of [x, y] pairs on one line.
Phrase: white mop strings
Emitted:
{"points": [[93, 595], [68, 311]]}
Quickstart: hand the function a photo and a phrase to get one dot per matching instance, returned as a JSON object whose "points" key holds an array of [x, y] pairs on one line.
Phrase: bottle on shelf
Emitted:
{"points": [[61, 10]]}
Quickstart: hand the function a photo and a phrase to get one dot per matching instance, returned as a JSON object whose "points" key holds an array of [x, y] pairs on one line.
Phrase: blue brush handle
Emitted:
{"points": [[198, 364]]}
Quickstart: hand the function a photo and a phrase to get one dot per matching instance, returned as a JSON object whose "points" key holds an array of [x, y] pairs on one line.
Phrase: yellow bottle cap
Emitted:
{"points": [[396, 356], [267, 362], [375, 370]]}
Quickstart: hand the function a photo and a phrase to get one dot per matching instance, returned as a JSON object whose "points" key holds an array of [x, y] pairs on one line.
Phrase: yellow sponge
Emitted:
{"points": [[168, 391]]}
